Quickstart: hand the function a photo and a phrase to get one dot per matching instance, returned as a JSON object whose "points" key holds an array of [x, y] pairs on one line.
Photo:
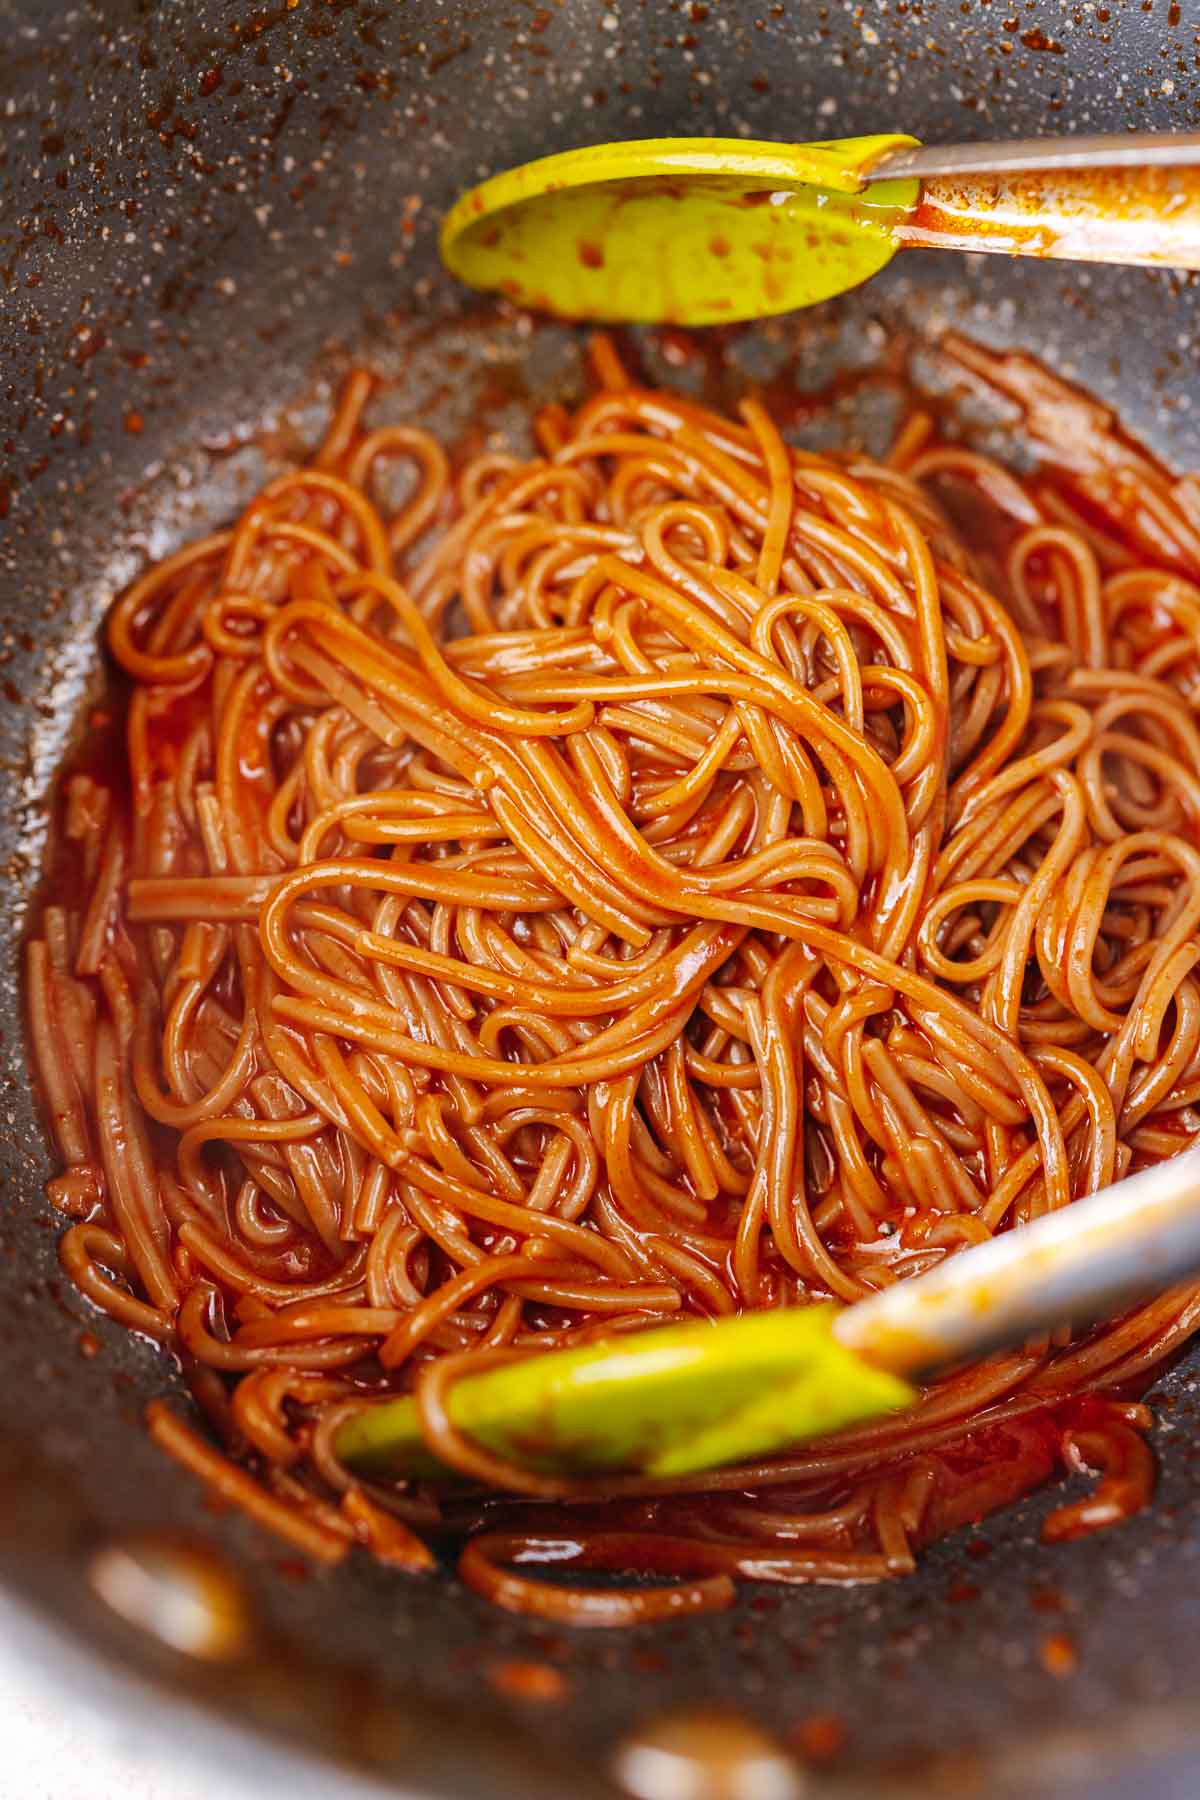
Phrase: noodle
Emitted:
{"points": [[675, 874]]}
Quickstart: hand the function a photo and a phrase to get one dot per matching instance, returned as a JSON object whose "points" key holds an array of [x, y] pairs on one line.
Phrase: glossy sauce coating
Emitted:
{"points": [[671, 874]]}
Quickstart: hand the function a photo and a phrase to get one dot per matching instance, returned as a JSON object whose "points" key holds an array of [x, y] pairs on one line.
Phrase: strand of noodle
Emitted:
{"points": [[233, 1486]]}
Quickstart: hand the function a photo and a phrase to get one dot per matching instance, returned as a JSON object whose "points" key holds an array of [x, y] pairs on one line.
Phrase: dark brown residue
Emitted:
{"points": [[1036, 39]]}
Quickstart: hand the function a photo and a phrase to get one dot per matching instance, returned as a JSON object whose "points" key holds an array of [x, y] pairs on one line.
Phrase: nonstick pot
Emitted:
{"points": [[206, 207]]}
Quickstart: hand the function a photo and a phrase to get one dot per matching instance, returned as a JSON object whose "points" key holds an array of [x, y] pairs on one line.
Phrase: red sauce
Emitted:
{"points": [[821, 1736]]}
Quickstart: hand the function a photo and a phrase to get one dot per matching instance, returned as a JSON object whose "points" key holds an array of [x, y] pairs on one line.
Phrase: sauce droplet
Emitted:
{"points": [[1058, 1655], [179, 1592], [706, 1756], [821, 1736], [528, 1681]]}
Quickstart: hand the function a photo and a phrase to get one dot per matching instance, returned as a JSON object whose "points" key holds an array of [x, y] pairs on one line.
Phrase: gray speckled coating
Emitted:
{"points": [[204, 205]]}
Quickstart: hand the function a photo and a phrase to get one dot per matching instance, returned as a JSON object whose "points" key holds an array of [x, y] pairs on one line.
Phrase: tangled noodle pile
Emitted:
{"points": [[673, 874]]}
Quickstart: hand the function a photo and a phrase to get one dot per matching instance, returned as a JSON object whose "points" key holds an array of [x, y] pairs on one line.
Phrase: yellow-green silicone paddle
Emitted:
{"points": [[683, 1398], [691, 231], [666, 1402]]}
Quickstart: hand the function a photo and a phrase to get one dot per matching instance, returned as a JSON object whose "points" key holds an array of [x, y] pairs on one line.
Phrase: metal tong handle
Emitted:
{"points": [[1132, 199], [1114, 150], [1069, 1267]]}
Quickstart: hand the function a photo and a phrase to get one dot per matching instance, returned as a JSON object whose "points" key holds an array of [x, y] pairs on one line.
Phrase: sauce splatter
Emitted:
{"points": [[821, 1736], [1058, 1655], [528, 1681]]}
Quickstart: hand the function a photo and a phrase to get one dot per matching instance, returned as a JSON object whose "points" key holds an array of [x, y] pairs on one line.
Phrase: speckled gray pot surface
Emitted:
{"points": [[205, 209]]}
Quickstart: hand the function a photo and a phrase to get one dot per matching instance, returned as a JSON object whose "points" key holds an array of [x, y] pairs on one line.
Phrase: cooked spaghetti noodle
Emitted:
{"points": [[674, 874]]}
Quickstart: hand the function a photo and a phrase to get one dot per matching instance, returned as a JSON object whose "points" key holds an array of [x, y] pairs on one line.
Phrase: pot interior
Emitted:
{"points": [[209, 212]]}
